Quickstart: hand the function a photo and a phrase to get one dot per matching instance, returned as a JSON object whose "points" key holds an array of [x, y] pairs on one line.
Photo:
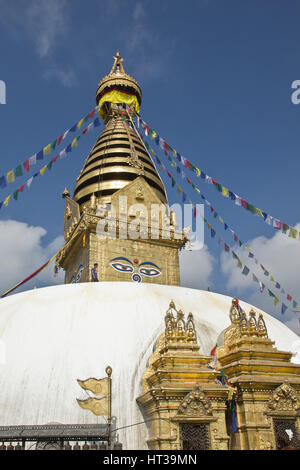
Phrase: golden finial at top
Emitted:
{"points": [[118, 63]]}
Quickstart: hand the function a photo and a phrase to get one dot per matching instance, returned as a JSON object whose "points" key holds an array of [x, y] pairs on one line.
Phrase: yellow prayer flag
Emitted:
{"points": [[293, 233], [173, 163], [247, 248], [153, 153], [225, 191], [231, 392], [272, 279], [174, 152], [47, 150], [153, 134], [79, 124], [198, 190], [74, 143], [98, 387], [6, 201], [260, 212], [198, 172], [221, 220], [10, 177], [276, 300], [98, 406], [42, 171]]}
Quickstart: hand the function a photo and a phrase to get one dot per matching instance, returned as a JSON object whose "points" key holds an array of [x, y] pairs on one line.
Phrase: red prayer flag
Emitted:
{"points": [[226, 247], [188, 179], [26, 165], [289, 297], [277, 224], [54, 158], [21, 188], [92, 114], [59, 140]]}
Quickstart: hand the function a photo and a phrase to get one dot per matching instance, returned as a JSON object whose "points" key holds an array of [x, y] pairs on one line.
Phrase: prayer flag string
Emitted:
{"points": [[23, 168], [225, 192], [63, 153], [244, 268]]}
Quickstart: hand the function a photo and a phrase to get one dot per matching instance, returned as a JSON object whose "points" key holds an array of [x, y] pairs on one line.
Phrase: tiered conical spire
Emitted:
{"points": [[119, 156]]}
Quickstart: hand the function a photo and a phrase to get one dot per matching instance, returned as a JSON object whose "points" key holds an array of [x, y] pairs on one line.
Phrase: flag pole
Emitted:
{"points": [[108, 370]]}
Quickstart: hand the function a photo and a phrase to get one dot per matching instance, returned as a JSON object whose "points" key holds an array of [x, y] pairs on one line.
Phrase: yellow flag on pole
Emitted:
{"points": [[98, 387], [98, 406]]}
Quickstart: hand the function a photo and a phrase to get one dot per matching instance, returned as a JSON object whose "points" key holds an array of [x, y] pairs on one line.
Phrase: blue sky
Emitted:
{"points": [[216, 79]]}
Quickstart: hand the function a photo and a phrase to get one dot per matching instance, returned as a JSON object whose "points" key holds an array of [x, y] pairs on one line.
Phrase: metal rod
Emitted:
{"points": [[108, 370]]}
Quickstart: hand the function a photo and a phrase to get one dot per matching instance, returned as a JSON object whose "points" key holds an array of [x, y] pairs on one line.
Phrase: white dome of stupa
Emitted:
{"points": [[51, 337]]}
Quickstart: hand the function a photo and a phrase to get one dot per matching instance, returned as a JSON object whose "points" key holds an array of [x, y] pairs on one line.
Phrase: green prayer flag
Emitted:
{"points": [[18, 171], [15, 195], [53, 145], [285, 227], [49, 166]]}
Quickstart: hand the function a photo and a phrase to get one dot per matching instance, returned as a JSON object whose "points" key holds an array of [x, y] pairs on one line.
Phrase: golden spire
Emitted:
{"points": [[118, 156], [118, 79], [118, 63]]}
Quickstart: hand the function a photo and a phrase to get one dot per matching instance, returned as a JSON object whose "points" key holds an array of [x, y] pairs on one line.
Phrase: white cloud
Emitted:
{"points": [[138, 11], [280, 256], [66, 77], [196, 268], [43, 21], [22, 253]]}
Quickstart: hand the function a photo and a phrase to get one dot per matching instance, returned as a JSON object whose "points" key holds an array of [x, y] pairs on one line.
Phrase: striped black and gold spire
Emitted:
{"points": [[119, 156]]}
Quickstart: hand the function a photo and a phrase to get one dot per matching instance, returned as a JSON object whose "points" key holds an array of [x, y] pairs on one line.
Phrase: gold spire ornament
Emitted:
{"points": [[118, 87]]}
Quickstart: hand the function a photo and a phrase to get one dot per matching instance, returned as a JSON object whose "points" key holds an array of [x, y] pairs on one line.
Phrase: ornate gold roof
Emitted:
{"points": [[118, 77]]}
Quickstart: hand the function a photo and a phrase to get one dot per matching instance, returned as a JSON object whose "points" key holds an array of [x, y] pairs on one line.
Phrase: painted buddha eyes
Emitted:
{"points": [[125, 268], [149, 271], [146, 268]]}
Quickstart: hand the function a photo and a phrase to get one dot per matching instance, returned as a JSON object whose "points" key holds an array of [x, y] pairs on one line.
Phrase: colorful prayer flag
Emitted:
{"points": [[10, 176]]}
